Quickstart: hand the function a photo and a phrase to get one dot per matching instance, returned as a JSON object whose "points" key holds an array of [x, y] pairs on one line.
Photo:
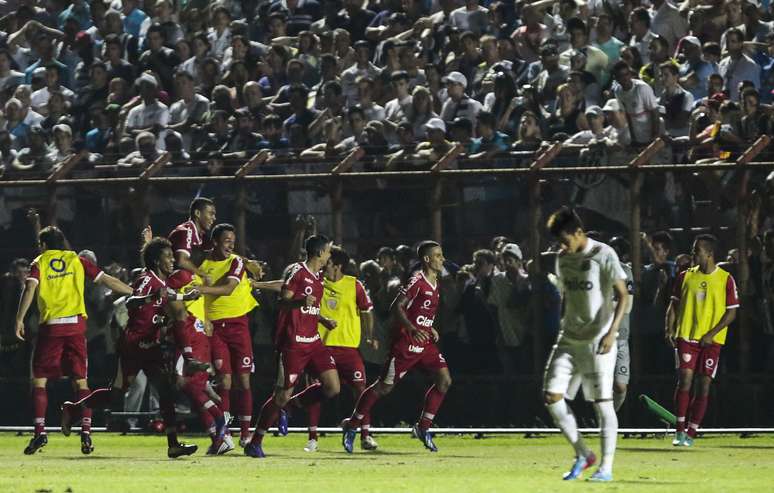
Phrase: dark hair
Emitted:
{"points": [[750, 91], [334, 86], [620, 245], [355, 109], [662, 237], [671, 67], [712, 48], [485, 254], [19, 262], [52, 237], [272, 119], [151, 251], [736, 32], [398, 75], [113, 39], [156, 28], [710, 242], [339, 256], [565, 220], [576, 23], [315, 244], [199, 204], [642, 15], [184, 73], [620, 65], [298, 88], [423, 249], [220, 229], [486, 118], [385, 252]]}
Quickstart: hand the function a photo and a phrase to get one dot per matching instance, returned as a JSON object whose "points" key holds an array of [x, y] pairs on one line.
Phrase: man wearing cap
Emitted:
{"points": [[597, 134], [509, 296], [617, 119], [694, 72], [431, 150], [459, 105], [151, 115]]}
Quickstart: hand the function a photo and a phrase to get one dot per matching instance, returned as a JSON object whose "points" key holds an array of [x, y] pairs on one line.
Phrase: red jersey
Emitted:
{"points": [[186, 237], [423, 298], [299, 325], [147, 319]]}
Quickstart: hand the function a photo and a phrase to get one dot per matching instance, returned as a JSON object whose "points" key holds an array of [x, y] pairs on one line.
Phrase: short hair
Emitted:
{"points": [[423, 249], [220, 229], [620, 245], [199, 204], [487, 255], [52, 237], [750, 91], [398, 75], [565, 220], [620, 65], [641, 14], [315, 244], [299, 89], [156, 28], [576, 23], [114, 39], [185, 74], [151, 251], [334, 86], [736, 32], [355, 109], [272, 120], [487, 118], [712, 48], [385, 252], [19, 262], [662, 237], [670, 67], [339, 256], [660, 40], [710, 242]]}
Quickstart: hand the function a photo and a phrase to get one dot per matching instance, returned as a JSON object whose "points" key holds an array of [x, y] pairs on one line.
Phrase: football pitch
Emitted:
{"points": [[138, 463]]}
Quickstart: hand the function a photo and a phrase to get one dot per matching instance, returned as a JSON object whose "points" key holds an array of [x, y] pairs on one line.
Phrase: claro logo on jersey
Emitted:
{"points": [[423, 321], [310, 310], [579, 285]]}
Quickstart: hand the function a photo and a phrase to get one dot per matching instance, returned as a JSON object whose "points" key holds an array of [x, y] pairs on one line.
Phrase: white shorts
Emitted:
{"points": [[573, 364]]}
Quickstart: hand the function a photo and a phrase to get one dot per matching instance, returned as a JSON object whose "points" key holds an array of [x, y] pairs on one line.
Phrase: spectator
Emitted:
{"points": [[187, 115], [150, 115], [737, 66], [639, 24], [159, 59], [638, 101], [668, 22], [596, 59], [694, 72], [490, 141], [146, 153], [459, 105], [36, 157], [39, 98], [480, 321], [677, 101]]}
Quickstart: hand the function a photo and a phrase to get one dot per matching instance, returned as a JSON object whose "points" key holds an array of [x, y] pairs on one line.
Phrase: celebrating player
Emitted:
{"points": [[193, 381], [590, 274], [346, 302], [189, 237], [228, 303], [141, 346], [704, 303], [413, 346], [56, 280], [298, 341]]}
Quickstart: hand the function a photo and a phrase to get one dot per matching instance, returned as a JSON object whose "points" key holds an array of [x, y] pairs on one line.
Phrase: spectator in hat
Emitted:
{"points": [[458, 104], [150, 115], [617, 119], [694, 72], [14, 123], [63, 143], [509, 297], [461, 132], [426, 152]]}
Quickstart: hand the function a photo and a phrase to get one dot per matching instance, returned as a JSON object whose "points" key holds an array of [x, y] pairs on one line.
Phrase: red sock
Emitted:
{"points": [[682, 400], [245, 410], [269, 413], [225, 400], [85, 411], [313, 411], [362, 411], [433, 400], [39, 405], [697, 414], [182, 337]]}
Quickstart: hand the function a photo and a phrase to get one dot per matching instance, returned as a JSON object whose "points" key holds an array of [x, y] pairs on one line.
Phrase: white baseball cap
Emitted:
{"points": [[435, 124], [513, 249], [612, 105], [457, 78]]}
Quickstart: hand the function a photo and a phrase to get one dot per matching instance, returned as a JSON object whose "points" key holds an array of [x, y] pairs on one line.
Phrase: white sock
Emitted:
{"points": [[565, 420], [608, 424], [618, 399]]}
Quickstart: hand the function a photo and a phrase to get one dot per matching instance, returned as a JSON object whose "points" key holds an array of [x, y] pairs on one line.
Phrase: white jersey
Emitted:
{"points": [[587, 279]]}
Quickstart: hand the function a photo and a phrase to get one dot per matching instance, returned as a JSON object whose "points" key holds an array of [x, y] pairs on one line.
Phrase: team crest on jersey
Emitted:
{"points": [[332, 303], [686, 357], [586, 265], [293, 377]]}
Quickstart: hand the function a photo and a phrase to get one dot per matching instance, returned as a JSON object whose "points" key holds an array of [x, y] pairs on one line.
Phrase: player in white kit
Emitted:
{"points": [[590, 275]]}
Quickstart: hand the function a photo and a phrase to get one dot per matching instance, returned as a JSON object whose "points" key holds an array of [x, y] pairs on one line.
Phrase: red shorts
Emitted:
{"points": [[232, 348], [60, 355], [404, 356], [139, 355], [690, 355], [350, 365], [314, 358]]}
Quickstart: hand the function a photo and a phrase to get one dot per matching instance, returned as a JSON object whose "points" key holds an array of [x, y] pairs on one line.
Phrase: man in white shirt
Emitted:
{"points": [[639, 25], [737, 66], [639, 102], [668, 23], [39, 98], [149, 116], [459, 105], [470, 17], [589, 274]]}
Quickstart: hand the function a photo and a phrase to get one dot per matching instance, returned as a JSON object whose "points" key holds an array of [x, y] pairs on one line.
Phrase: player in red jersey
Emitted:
{"points": [[143, 346], [413, 346], [189, 238], [56, 281], [298, 341], [194, 381]]}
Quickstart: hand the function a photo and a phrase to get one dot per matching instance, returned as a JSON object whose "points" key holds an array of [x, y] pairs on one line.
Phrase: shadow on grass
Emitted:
{"points": [[646, 449], [649, 482], [747, 447]]}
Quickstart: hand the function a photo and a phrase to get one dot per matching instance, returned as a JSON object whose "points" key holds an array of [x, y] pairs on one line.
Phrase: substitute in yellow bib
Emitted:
{"points": [[57, 280], [704, 303], [227, 305], [346, 303]]}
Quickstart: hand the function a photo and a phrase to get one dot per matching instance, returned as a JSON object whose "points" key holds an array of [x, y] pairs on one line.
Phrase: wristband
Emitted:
{"points": [[179, 297]]}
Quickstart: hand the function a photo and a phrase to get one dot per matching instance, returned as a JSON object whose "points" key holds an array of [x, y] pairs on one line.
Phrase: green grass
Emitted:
{"points": [[499, 464]]}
